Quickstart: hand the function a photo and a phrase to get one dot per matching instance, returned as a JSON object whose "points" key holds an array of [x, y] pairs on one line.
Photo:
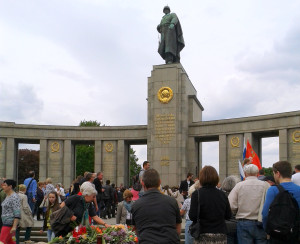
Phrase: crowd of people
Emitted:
{"points": [[257, 209]]}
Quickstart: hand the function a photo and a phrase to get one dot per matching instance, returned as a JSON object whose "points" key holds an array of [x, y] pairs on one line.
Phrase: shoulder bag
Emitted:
{"points": [[194, 228]]}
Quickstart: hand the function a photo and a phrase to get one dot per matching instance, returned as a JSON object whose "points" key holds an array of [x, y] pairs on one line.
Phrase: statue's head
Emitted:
{"points": [[166, 9]]}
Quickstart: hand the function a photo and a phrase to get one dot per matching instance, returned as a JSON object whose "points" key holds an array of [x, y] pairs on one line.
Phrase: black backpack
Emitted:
{"points": [[283, 216], [137, 186]]}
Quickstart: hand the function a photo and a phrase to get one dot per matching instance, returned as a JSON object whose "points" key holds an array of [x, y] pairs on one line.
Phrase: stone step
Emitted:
{"points": [[36, 236]]}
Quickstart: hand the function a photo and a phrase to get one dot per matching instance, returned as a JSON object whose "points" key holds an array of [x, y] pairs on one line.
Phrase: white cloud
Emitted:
{"points": [[19, 102], [91, 59]]}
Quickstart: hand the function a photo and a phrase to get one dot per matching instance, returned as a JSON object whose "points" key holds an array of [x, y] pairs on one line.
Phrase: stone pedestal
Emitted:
{"points": [[169, 114]]}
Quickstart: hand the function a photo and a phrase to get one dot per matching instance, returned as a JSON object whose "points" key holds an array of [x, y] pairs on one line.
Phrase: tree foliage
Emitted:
{"points": [[134, 168], [28, 160], [90, 123], [268, 171], [85, 153]]}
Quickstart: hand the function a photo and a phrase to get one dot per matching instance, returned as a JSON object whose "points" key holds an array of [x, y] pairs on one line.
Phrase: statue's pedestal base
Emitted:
{"points": [[172, 105]]}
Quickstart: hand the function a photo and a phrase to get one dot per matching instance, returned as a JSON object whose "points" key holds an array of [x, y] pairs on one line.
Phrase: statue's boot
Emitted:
{"points": [[169, 58]]}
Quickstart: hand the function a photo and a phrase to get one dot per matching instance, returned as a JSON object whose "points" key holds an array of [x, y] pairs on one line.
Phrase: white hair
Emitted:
{"points": [[229, 183], [87, 188], [194, 187], [251, 169]]}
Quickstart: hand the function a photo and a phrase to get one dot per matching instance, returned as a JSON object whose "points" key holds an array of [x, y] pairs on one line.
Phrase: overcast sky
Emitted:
{"points": [[64, 61]]}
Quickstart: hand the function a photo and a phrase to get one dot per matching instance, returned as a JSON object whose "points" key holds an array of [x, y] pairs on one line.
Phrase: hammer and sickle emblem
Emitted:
{"points": [[109, 147], [235, 141], [296, 136], [165, 94], [55, 147]]}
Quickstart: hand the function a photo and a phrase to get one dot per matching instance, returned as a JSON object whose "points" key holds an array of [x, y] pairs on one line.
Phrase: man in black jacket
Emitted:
{"points": [[100, 190], [107, 197], [155, 215], [185, 185]]}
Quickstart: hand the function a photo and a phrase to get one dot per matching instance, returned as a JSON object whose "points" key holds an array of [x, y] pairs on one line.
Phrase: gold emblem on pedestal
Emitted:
{"points": [[296, 136], [165, 94], [235, 141], [55, 147], [109, 147]]}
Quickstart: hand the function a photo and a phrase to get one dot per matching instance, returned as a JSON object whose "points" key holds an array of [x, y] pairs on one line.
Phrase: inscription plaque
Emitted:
{"points": [[165, 161], [164, 127]]}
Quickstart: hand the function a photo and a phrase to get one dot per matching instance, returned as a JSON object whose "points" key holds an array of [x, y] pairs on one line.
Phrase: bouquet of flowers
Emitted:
{"points": [[86, 235], [116, 234]]}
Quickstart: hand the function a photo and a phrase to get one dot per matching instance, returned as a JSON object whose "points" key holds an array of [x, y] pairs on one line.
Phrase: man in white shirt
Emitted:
{"points": [[296, 176], [246, 199]]}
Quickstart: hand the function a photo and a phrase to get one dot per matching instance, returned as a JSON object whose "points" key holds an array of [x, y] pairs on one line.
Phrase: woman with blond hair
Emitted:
{"points": [[26, 220], [124, 215], [211, 207]]}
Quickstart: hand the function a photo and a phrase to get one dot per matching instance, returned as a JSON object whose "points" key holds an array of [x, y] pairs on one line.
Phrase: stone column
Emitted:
{"points": [[109, 160], [43, 174], [222, 157], [122, 164], [98, 159], [199, 156], [248, 136], [55, 160], [2, 156], [168, 115], [68, 164], [283, 145], [235, 146], [11, 169], [193, 152], [294, 146]]}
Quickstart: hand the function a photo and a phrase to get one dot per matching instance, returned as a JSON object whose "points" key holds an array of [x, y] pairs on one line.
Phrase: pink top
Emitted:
{"points": [[135, 194]]}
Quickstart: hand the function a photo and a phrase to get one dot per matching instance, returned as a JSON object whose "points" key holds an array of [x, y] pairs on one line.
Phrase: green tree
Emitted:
{"points": [[134, 168], [27, 160], [85, 153], [90, 123], [268, 171]]}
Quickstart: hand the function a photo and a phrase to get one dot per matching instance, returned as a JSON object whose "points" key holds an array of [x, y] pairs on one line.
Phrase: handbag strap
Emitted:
{"points": [[27, 188], [198, 211]]}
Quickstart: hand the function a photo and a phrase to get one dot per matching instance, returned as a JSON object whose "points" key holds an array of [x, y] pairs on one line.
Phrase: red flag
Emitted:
{"points": [[252, 155]]}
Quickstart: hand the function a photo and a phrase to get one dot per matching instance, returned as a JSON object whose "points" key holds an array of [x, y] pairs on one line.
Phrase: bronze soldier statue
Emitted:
{"points": [[171, 42]]}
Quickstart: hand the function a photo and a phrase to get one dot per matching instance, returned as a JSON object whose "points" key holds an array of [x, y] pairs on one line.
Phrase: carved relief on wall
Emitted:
{"points": [[235, 141], [165, 94], [296, 136], [55, 147], [109, 147]]}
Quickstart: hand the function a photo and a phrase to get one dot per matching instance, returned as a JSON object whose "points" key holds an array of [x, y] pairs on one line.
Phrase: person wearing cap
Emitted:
{"points": [[171, 42], [246, 199]]}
